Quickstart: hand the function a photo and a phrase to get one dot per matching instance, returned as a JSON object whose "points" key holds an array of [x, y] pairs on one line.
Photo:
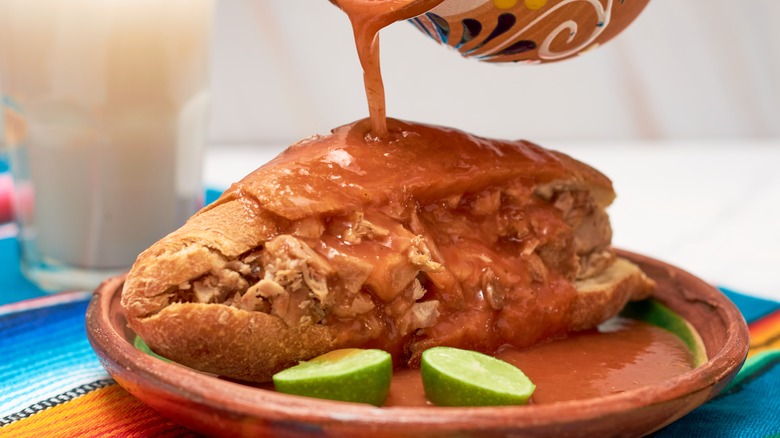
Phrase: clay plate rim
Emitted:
{"points": [[134, 369]]}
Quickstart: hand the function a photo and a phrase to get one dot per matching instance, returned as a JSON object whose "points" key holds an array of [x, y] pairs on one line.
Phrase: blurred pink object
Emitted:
{"points": [[6, 198]]}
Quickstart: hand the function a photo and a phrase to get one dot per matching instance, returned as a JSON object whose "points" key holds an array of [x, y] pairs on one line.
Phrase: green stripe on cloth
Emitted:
{"points": [[753, 367]]}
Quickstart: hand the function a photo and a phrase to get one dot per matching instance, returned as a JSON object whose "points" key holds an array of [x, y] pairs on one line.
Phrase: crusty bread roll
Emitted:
{"points": [[433, 238]]}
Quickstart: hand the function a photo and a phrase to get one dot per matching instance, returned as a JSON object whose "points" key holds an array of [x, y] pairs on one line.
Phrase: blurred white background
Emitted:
{"points": [[693, 69]]}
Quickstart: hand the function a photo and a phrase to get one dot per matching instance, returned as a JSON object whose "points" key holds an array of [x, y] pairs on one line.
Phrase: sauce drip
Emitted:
{"points": [[368, 17]]}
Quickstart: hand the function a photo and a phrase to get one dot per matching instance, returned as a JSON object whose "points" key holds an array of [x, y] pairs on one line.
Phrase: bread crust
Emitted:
{"points": [[601, 297], [223, 340], [325, 176]]}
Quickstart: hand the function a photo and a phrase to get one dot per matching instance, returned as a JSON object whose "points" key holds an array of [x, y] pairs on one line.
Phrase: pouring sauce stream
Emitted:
{"points": [[368, 17]]}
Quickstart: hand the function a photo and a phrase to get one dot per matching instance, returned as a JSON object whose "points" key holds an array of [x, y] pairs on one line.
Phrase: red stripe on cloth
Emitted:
{"points": [[765, 333], [109, 411]]}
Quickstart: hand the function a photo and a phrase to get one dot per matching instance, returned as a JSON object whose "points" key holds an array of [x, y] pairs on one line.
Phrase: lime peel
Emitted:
{"points": [[351, 374], [456, 377], [139, 344]]}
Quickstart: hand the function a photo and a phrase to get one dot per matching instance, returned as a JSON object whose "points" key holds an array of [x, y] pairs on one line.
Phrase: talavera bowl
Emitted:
{"points": [[218, 407], [529, 31]]}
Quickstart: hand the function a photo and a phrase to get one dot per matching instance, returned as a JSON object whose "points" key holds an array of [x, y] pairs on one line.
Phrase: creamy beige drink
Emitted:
{"points": [[106, 107]]}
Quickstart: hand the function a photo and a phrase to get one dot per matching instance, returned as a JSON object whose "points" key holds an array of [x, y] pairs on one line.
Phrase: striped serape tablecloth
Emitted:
{"points": [[51, 383]]}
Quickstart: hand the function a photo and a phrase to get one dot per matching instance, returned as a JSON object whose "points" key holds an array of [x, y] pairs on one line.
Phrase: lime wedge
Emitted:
{"points": [[455, 377], [351, 374], [654, 312], [139, 344]]}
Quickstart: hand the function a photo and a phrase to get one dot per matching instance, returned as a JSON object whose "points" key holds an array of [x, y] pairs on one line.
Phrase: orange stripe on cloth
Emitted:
{"points": [[765, 333], [109, 411]]}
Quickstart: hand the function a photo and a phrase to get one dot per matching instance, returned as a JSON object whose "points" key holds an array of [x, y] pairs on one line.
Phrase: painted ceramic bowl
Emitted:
{"points": [[217, 407], [527, 30]]}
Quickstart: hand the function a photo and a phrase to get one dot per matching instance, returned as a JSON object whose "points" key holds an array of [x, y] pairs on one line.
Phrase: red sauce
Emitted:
{"points": [[623, 354]]}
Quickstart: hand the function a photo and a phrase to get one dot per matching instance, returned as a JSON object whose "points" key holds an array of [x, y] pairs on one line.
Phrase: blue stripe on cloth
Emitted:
{"points": [[749, 411], [13, 285], [752, 308], [45, 351]]}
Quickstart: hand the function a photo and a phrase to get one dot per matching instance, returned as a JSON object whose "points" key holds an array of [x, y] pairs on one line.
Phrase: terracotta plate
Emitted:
{"points": [[219, 408]]}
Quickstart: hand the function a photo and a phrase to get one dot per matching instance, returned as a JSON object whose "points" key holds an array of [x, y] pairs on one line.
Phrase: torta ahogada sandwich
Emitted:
{"points": [[436, 237]]}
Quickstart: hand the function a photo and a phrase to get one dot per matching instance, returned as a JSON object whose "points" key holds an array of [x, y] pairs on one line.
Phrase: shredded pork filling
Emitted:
{"points": [[347, 266]]}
